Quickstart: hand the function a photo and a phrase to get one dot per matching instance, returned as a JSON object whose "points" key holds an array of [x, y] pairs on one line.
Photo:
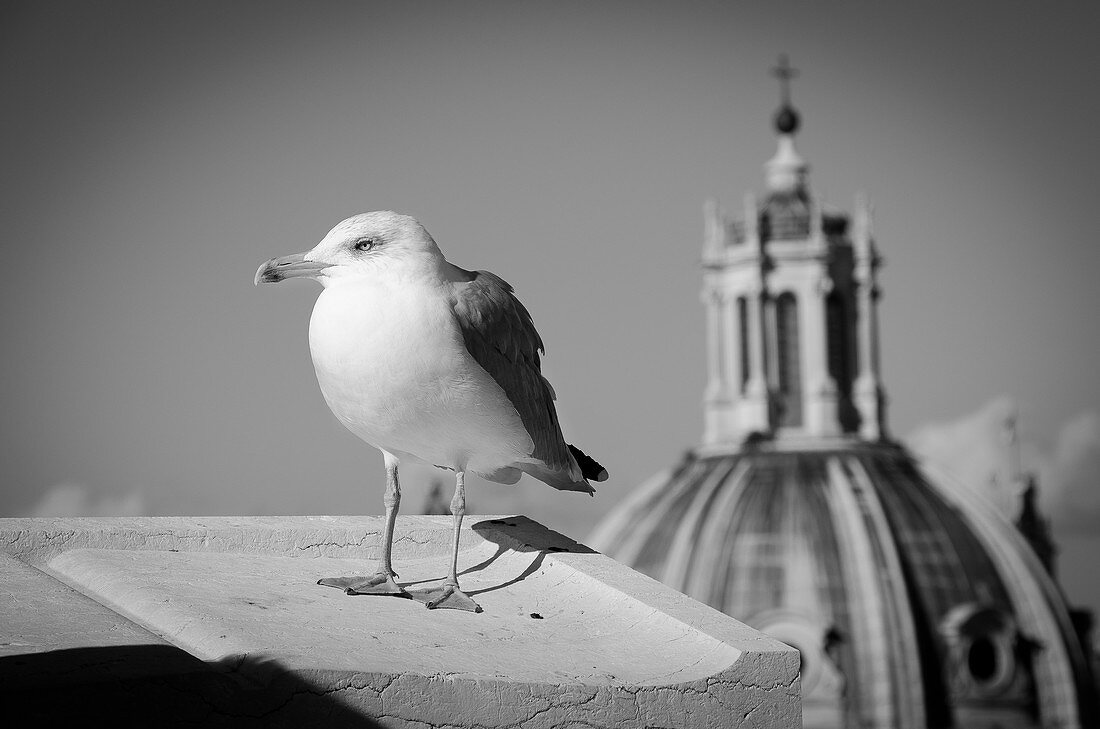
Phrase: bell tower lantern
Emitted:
{"points": [[790, 291]]}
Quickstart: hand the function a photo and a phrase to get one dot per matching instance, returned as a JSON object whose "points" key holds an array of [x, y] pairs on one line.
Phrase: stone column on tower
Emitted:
{"points": [[731, 372], [869, 396], [717, 386], [754, 414], [754, 409], [723, 376], [821, 390]]}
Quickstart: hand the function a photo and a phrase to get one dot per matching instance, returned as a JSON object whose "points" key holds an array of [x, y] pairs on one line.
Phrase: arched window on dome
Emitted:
{"points": [[988, 662], [789, 367]]}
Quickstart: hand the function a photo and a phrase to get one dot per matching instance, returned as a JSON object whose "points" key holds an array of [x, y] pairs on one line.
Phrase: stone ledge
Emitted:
{"points": [[217, 621]]}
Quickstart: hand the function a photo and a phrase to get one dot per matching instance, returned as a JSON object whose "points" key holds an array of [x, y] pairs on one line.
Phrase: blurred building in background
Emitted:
{"points": [[914, 602], [436, 503]]}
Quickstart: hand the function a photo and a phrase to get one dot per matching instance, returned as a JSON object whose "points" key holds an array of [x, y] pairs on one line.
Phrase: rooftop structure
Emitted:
{"points": [[913, 603]]}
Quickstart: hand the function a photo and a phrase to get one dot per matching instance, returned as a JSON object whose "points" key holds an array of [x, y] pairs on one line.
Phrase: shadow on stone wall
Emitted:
{"points": [[162, 686]]}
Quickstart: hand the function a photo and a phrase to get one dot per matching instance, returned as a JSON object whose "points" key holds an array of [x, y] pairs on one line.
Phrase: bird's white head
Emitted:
{"points": [[362, 246]]}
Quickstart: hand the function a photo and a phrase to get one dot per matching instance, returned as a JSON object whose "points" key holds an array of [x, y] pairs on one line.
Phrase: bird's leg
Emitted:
{"points": [[381, 582], [451, 596], [392, 501]]}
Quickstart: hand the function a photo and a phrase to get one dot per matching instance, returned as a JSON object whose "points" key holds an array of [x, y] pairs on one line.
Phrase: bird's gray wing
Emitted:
{"points": [[500, 335]]}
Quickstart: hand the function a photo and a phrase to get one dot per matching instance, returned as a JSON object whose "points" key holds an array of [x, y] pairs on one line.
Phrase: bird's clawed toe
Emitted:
{"points": [[449, 597], [380, 583]]}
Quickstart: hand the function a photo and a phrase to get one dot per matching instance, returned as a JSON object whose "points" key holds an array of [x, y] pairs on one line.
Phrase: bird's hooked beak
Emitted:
{"points": [[293, 266]]}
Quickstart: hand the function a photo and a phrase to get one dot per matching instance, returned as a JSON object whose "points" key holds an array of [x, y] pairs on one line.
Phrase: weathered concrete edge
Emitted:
{"points": [[38, 540], [42, 616], [762, 683], [766, 666]]}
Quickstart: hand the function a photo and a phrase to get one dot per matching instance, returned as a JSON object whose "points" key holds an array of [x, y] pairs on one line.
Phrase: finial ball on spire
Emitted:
{"points": [[786, 119]]}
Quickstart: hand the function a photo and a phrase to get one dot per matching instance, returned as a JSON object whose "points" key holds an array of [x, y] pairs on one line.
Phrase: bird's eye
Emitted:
{"points": [[364, 244]]}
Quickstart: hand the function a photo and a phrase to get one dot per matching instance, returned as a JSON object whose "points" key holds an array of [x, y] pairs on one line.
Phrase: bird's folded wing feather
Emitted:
{"points": [[500, 335]]}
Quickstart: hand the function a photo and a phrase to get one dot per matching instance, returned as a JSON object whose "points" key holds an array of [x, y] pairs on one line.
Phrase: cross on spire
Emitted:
{"points": [[784, 72]]}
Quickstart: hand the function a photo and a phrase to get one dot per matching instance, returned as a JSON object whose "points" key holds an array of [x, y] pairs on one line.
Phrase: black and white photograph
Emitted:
{"points": [[487, 365]]}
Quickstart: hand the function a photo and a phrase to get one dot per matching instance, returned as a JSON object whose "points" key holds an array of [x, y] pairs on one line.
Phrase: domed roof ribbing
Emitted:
{"points": [[909, 605]]}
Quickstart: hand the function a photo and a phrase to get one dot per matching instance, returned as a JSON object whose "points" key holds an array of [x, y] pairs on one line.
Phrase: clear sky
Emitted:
{"points": [[155, 153]]}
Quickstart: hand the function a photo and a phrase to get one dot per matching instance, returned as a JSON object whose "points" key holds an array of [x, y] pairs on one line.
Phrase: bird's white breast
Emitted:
{"points": [[393, 367]]}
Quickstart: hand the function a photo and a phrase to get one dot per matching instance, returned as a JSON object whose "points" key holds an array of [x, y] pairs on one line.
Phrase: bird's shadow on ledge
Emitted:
{"points": [[515, 534], [520, 534]]}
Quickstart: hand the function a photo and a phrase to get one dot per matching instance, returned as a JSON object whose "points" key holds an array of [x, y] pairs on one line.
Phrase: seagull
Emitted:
{"points": [[429, 363]]}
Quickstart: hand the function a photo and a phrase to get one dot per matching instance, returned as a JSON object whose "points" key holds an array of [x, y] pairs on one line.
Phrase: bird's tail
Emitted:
{"points": [[589, 467], [566, 478]]}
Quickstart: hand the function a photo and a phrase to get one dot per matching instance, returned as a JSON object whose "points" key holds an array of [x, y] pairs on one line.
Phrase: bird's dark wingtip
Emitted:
{"points": [[589, 467]]}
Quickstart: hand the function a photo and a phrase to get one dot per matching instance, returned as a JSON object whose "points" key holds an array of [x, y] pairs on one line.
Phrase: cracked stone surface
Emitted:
{"points": [[219, 622]]}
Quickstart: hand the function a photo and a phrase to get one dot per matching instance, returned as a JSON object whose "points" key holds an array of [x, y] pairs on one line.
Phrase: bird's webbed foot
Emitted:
{"points": [[380, 583], [449, 597]]}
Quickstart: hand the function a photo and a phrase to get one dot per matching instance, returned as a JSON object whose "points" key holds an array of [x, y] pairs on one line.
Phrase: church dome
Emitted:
{"points": [[914, 603], [911, 605]]}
